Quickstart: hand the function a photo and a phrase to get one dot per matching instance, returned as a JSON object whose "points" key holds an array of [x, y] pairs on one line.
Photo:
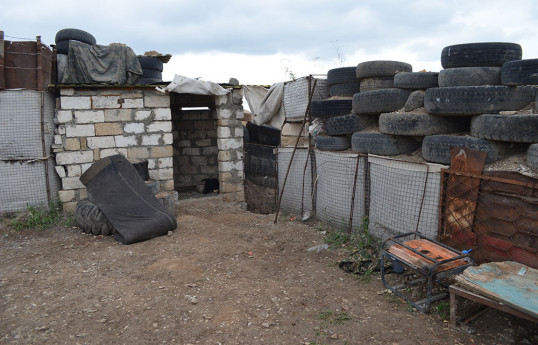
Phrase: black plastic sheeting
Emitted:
{"points": [[126, 201], [88, 64]]}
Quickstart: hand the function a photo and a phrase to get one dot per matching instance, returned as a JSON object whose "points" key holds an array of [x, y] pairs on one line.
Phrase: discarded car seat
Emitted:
{"points": [[126, 201]]}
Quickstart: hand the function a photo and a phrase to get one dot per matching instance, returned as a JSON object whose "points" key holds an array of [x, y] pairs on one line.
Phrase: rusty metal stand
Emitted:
{"points": [[430, 260]]}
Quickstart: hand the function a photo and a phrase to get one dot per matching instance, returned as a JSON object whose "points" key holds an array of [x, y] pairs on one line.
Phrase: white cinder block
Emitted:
{"points": [[57, 139], [165, 162], [74, 157], [162, 114], [80, 131], [225, 166], [229, 144], [85, 167], [64, 116], [161, 174], [112, 152], [67, 92], [151, 139], [75, 102], [223, 132], [89, 116], [105, 102], [74, 170], [155, 100], [168, 138], [133, 103], [72, 183], [160, 126], [60, 170], [224, 114], [134, 127], [100, 142], [143, 115], [122, 141]]}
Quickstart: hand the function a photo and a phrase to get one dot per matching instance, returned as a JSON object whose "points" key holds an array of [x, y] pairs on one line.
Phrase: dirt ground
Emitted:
{"points": [[225, 276]]}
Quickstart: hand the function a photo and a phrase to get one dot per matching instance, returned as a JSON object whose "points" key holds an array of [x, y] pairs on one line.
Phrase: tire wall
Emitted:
{"points": [[334, 189], [396, 191], [293, 196], [22, 166]]}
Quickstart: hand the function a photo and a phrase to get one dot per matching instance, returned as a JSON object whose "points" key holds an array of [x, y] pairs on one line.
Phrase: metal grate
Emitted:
{"points": [[494, 215], [297, 197], [296, 96], [26, 135]]}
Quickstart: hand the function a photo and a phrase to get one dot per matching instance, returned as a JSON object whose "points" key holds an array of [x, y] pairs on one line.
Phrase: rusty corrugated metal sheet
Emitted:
{"points": [[27, 65], [505, 221]]}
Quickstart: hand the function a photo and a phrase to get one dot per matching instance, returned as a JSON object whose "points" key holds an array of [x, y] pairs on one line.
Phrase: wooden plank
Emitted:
{"points": [[435, 252], [508, 282]]}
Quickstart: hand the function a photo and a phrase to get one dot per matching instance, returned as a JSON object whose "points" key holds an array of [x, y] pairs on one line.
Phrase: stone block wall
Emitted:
{"points": [[93, 124], [195, 146]]}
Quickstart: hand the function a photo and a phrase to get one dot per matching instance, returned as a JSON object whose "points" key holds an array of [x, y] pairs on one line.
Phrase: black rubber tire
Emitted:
{"points": [[474, 100], [263, 134], [379, 101], [416, 80], [344, 90], [152, 73], [512, 128], [532, 157], [91, 220], [349, 124], [148, 81], [149, 62], [383, 144], [414, 101], [62, 47], [259, 164], [470, 76], [330, 107], [74, 34], [521, 72], [487, 54], [261, 180], [341, 75], [332, 143], [436, 148], [421, 124], [381, 68], [371, 84]]}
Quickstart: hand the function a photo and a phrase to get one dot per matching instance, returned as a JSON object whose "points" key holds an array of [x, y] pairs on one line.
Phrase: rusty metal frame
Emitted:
{"points": [[429, 276]]}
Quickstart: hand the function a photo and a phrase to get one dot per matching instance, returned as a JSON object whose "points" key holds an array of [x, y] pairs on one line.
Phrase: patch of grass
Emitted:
{"points": [[443, 310], [333, 317], [392, 298], [39, 218]]}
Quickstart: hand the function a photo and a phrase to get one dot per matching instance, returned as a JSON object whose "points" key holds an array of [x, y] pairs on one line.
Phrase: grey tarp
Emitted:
{"points": [[126, 201], [89, 64], [181, 84], [267, 106]]}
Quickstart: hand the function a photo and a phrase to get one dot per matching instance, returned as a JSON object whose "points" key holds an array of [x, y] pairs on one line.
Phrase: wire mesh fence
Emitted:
{"points": [[26, 135], [297, 197], [393, 196], [494, 215]]}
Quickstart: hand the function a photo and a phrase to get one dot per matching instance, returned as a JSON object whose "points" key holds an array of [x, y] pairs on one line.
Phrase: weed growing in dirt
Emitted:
{"points": [[443, 310], [39, 218], [333, 317]]}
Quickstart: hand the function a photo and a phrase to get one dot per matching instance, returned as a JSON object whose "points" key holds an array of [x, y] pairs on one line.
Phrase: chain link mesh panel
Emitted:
{"points": [[495, 215], [25, 170], [297, 194], [404, 197], [335, 183], [296, 96]]}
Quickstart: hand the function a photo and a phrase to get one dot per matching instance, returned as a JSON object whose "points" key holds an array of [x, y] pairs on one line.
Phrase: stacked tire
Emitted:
{"points": [[152, 70], [62, 41], [260, 165], [472, 91]]}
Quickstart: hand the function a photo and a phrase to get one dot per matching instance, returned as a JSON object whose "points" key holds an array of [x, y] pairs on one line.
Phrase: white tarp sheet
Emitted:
{"points": [[266, 105], [181, 84]]}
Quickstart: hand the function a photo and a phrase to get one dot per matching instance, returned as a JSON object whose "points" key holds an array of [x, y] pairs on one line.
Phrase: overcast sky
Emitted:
{"points": [[263, 42]]}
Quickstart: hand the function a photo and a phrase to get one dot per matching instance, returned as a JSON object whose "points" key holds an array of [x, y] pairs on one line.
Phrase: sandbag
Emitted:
{"points": [[126, 201]]}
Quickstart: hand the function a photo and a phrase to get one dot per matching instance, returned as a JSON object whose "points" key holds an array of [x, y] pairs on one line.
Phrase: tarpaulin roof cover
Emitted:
{"points": [[89, 64]]}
